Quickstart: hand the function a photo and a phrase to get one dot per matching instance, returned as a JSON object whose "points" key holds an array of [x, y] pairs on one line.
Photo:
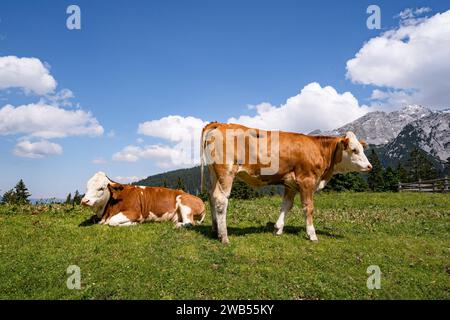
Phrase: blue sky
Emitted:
{"points": [[137, 61]]}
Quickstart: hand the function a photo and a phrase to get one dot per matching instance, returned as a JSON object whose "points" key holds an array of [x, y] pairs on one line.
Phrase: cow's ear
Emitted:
{"points": [[363, 143], [114, 189], [337, 157], [345, 142]]}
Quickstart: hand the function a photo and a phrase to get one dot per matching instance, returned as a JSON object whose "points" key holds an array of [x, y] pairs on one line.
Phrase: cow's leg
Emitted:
{"points": [[288, 201], [307, 187], [212, 204], [221, 192], [185, 212], [212, 207], [120, 220]]}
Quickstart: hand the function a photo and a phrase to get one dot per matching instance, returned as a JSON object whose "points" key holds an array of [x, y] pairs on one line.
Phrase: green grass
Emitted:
{"points": [[406, 235]]}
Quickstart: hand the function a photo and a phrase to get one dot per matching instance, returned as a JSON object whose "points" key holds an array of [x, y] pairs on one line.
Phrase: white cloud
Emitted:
{"points": [[409, 63], [59, 99], [39, 149], [182, 133], [128, 179], [99, 160], [410, 16], [172, 128], [29, 74], [164, 155], [45, 121], [315, 107]]}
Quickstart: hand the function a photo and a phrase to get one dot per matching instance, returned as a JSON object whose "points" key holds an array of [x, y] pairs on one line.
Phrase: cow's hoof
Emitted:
{"points": [[314, 239], [187, 225], [224, 241], [278, 232]]}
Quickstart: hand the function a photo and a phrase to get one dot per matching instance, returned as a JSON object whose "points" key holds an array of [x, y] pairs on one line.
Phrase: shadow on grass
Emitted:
{"points": [[89, 221], [206, 231]]}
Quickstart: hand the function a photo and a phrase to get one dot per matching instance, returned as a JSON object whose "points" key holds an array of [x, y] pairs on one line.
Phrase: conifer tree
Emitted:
{"points": [[375, 177], [390, 178], [69, 198], [419, 167], [21, 193], [9, 197], [76, 198], [180, 184]]}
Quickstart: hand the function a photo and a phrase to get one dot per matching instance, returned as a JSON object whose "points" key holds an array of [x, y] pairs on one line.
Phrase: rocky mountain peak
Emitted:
{"points": [[379, 127]]}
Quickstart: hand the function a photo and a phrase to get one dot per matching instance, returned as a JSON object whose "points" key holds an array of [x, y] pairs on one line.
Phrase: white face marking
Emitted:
{"points": [[97, 193], [353, 158]]}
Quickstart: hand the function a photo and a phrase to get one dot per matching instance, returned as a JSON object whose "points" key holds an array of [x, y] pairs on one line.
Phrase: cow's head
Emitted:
{"points": [[97, 193], [349, 156]]}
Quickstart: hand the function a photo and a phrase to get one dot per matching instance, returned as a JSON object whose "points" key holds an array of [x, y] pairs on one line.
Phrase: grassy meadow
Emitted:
{"points": [[406, 234]]}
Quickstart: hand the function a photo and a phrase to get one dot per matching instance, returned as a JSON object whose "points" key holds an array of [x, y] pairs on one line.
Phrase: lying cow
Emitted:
{"points": [[300, 162], [123, 205]]}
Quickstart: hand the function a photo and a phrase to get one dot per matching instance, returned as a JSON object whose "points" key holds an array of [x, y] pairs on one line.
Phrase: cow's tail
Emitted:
{"points": [[202, 217], [202, 159], [210, 126]]}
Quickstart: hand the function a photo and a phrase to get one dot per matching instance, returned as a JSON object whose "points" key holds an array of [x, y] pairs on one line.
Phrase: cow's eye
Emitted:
{"points": [[355, 151], [101, 189]]}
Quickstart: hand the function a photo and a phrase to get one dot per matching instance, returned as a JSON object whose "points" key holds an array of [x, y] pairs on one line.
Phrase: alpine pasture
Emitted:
{"points": [[406, 234]]}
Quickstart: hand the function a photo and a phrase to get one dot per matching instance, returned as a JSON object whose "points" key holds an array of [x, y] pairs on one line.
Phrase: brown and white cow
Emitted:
{"points": [[301, 163], [123, 205]]}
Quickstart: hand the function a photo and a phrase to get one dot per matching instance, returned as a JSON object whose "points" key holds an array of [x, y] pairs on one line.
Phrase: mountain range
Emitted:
{"points": [[394, 134]]}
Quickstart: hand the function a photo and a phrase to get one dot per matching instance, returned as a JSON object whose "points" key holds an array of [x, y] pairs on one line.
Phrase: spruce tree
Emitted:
{"points": [[69, 198], [76, 198], [180, 184], [241, 190], [347, 182], [9, 197], [420, 167], [22, 193], [390, 178], [375, 177], [401, 173]]}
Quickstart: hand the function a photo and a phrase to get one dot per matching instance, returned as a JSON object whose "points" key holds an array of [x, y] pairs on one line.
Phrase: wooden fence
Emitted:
{"points": [[435, 185]]}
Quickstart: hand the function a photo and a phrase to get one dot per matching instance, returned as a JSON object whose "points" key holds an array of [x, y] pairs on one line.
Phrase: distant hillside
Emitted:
{"points": [[191, 179]]}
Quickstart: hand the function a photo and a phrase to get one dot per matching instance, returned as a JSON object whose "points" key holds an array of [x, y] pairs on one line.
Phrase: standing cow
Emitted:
{"points": [[123, 205], [300, 162]]}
